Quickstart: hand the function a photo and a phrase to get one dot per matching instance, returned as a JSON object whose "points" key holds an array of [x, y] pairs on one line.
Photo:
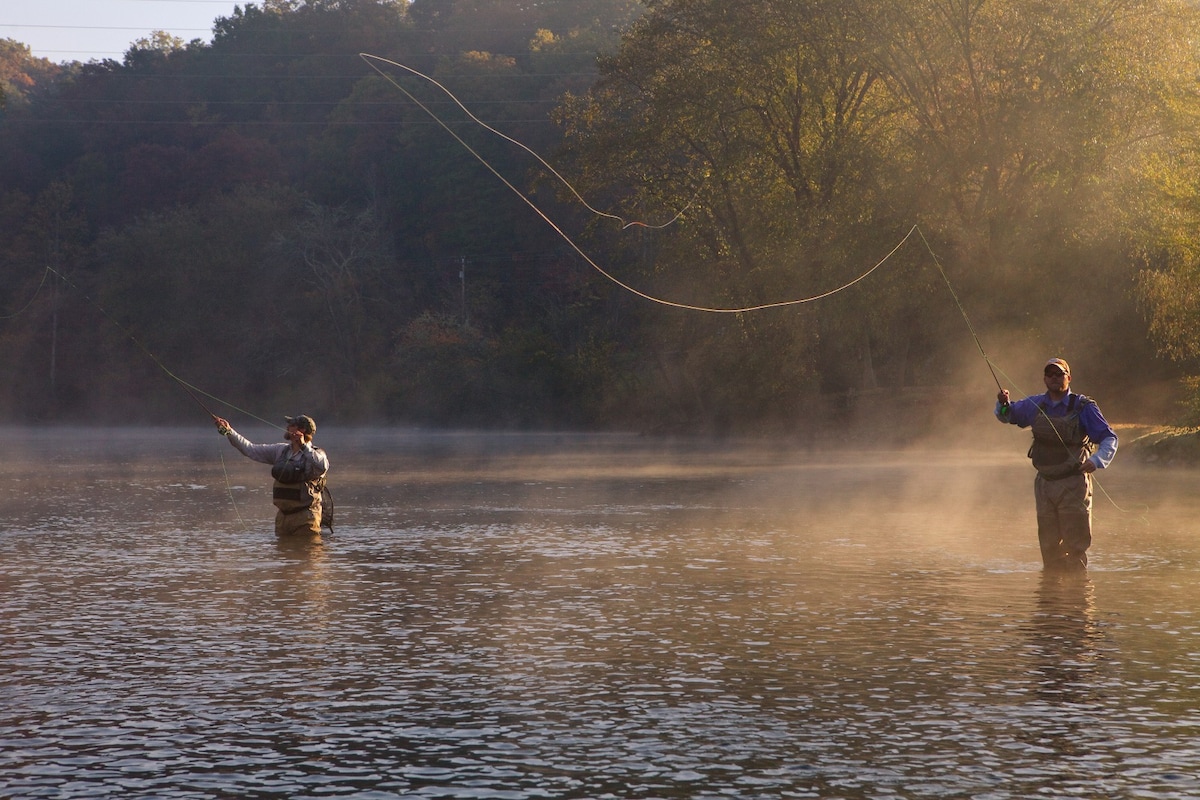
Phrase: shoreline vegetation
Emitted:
{"points": [[1162, 445], [272, 217]]}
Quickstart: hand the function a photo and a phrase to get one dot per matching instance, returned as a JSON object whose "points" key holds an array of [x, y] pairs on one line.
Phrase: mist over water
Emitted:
{"points": [[535, 616]]}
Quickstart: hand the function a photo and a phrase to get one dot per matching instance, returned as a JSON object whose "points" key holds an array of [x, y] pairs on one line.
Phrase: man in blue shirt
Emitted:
{"points": [[1066, 427]]}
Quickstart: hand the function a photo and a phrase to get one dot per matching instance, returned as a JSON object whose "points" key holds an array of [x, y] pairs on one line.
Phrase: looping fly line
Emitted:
{"points": [[623, 222], [374, 61], [36, 292]]}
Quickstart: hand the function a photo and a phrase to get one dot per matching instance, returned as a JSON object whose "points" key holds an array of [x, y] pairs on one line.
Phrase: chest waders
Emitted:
{"points": [[293, 492], [1060, 444], [1062, 491], [292, 497]]}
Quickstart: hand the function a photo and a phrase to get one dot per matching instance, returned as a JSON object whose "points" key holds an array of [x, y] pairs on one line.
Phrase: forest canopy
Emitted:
{"points": [[287, 226]]}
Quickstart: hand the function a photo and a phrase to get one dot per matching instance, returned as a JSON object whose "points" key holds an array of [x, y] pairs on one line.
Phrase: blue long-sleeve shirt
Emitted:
{"points": [[1022, 413]]}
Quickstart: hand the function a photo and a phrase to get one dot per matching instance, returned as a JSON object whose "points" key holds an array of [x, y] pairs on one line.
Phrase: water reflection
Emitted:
{"points": [[1066, 637], [1064, 642], [304, 578], [586, 618]]}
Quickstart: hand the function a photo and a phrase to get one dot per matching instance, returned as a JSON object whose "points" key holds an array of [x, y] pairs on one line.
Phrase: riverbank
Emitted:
{"points": [[1164, 445]]}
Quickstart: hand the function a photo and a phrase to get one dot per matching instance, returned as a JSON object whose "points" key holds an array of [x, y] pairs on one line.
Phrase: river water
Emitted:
{"points": [[553, 616]]}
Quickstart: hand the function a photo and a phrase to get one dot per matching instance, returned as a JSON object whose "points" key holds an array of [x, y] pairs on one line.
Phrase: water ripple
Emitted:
{"points": [[591, 637]]}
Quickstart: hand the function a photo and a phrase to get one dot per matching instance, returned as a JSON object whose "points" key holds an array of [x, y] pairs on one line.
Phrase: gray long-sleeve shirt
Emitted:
{"points": [[315, 460]]}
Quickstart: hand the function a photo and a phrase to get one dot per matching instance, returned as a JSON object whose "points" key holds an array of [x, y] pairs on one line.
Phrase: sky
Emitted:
{"points": [[87, 30]]}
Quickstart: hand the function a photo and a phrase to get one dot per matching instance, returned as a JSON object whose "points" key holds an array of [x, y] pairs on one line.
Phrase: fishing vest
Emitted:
{"points": [[1060, 444], [293, 490]]}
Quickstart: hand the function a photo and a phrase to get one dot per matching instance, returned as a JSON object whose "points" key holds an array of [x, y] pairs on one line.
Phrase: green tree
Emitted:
{"points": [[444, 373], [1025, 118], [1043, 138], [1013, 131], [1163, 233], [336, 261], [43, 254], [202, 288], [764, 125]]}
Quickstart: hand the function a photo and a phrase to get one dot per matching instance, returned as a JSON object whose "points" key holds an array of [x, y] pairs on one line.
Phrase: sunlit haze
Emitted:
{"points": [[87, 30]]}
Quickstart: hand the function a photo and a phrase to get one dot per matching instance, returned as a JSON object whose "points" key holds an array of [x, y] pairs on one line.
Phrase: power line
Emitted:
{"points": [[328, 32], [243, 77], [248, 123], [574, 55], [93, 27], [289, 103]]}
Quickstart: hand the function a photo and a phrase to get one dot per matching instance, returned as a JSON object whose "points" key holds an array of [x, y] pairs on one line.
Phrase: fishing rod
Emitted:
{"points": [[193, 391], [991, 368], [974, 335], [937, 263]]}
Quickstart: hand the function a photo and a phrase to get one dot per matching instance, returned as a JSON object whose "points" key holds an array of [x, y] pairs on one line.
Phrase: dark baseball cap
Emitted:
{"points": [[303, 422]]}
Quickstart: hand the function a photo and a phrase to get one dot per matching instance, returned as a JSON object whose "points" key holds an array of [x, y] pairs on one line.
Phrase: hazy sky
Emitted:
{"points": [[83, 30]]}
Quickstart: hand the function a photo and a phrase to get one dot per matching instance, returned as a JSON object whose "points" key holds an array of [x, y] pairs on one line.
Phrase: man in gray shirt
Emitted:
{"points": [[299, 471]]}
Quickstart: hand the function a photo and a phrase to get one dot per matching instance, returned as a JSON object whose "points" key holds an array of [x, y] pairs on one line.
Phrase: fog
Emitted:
{"points": [[568, 615]]}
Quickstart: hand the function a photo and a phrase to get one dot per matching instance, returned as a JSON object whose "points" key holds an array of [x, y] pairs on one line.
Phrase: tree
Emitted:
{"points": [[1163, 234], [202, 288], [177, 153], [46, 248], [764, 126], [818, 132], [1020, 113], [335, 261], [1041, 135], [444, 373], [21, 73]]}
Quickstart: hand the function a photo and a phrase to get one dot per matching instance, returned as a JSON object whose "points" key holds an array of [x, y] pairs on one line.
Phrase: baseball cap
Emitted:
{"points": [[303, 422], [1062, 366]]}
